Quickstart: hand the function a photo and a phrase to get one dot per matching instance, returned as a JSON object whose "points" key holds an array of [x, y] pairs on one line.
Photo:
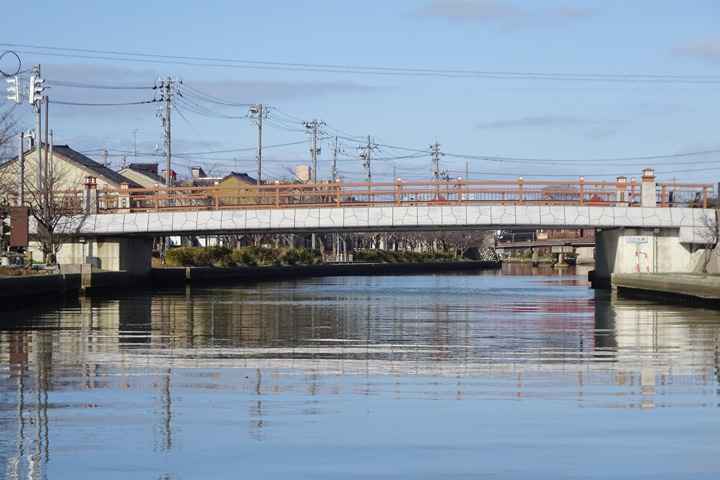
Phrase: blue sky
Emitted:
{"points": [[544, 89]]}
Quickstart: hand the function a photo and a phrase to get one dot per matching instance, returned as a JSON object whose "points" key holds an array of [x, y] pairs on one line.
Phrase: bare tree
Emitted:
{"points": [[562, 193], [710, 234], [9, 129], [53, 205]]}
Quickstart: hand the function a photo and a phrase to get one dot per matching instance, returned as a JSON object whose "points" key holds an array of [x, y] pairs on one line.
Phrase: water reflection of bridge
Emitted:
{"points": [[633, 355], [163, 333]]}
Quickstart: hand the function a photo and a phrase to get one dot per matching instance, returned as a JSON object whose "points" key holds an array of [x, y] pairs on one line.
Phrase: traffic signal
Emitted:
{"points": [[16, 89], [36, 89]]}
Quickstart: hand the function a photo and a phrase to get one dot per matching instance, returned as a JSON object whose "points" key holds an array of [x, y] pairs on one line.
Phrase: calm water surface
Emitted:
{"points": [[514, 374]]}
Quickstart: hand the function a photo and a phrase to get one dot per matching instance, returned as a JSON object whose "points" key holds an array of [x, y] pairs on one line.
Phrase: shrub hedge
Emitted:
{"points": [[389, 256], [252, 256], [247, 256]]}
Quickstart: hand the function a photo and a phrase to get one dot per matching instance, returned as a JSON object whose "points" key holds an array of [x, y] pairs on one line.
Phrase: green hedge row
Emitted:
{"points": [[252, 256], [246, 256], [389, 256]]}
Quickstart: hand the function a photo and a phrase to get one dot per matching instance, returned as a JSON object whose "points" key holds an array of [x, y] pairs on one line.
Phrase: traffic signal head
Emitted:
{"points": [[36, 89], [16, 89]]}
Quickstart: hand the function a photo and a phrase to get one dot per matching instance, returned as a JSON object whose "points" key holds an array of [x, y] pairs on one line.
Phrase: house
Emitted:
{"points": [[54, 192], [233, 183], [145, 174], [198, 178], [67, 170]]}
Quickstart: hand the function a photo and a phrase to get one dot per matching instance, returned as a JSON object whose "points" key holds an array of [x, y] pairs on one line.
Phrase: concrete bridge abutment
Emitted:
{"points": [[132, 254], [646, 250]]}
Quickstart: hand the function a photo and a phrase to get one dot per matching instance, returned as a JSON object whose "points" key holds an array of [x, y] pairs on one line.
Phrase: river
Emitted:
{"points": [[512, 374]]}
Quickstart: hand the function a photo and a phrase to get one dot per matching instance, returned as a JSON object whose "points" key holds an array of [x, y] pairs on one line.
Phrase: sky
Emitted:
{"points": [[550, 90]]}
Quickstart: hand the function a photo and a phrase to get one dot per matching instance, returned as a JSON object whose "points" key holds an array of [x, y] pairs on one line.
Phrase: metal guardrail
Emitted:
{"points": [[397, 194]]}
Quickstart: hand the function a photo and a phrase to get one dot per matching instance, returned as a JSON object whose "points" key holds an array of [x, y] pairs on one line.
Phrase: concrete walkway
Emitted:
{"points": [[660, 285]]}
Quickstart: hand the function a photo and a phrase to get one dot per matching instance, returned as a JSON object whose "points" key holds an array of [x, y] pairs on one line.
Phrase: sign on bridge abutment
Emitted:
{"points": [[690, 222]]}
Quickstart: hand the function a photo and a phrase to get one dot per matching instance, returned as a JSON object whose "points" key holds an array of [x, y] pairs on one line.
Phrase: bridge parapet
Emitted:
{"points": [[688, 221], [620, 193]]}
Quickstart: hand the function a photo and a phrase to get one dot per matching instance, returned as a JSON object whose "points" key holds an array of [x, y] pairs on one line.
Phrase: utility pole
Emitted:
{"points": [[48, 176], [35, 99], [257, 112], [168, 88], [365, 160], [21, 174], [333, 171], [134, 130], [436, 161], [50, 160], [314, 151], [105, 158]]}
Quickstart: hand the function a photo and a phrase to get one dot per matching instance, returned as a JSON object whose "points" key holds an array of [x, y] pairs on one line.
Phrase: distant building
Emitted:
{"points": [[234, 182], [235, 178], [145, 174], [302, 172], [68, 170], [198, 178]]}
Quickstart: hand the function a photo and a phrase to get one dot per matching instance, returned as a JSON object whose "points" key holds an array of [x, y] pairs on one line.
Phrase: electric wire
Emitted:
{"points": [[123, 104], [346, 69]]}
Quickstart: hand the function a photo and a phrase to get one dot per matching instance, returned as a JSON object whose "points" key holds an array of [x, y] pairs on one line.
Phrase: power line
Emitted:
{"points": [[58, 83], [548, 161], [392, 71], [77, 104]]}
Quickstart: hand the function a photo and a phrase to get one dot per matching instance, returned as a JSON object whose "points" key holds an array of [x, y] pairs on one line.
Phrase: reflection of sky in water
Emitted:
{"points": [[475, 376]]}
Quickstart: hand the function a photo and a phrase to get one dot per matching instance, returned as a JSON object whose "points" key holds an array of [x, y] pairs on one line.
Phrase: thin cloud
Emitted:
{"points": [[601, 132], [600, 128], [532, 122], [569, 12], [465, 10], [704, 48], [251, 91], [76, 84], [701, 147], [484, 11]]}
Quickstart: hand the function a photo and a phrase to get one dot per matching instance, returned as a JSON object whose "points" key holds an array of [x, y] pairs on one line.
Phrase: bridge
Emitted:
{"points": [[672, 220]]}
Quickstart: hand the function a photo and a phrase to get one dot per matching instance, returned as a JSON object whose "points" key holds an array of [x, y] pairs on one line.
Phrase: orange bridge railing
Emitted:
{"points": [[396, 194]]}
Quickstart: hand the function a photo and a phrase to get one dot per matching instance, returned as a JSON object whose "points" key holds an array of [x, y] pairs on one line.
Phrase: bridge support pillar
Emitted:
{"points": [[584, 255], [645, 250], [130, 254], [535, 257]]}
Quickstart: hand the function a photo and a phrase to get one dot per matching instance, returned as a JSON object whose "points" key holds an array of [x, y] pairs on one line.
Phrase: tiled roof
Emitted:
{"points": [[98, 169], [244, 177], [149, 173], [77, 158], [152, 167]]}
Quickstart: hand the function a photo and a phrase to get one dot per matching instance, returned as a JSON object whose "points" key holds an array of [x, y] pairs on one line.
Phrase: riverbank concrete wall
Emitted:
{"points": [[653, 250], [18, 292], [693, 289], [192, 275], [129, 254]]}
